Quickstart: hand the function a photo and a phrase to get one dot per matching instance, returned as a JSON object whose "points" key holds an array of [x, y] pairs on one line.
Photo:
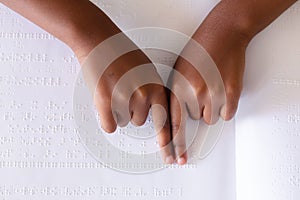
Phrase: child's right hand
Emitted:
{"points": [[126, 89], [83, 34]]}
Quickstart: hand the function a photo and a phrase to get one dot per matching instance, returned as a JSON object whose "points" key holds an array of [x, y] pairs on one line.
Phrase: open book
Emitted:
{"points": [[42, 156]]}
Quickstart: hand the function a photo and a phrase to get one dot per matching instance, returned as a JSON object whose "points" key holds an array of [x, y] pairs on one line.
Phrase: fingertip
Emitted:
{"points": [[139, 118], [181, 161], [162, 128], [166, 146], [227, 113], [210, 119], [169, 160], [106, 118], [109, 129]]}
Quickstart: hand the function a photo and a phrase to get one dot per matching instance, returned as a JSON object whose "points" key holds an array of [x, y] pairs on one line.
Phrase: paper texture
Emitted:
{"points": [[41, 155], [267, 124]]}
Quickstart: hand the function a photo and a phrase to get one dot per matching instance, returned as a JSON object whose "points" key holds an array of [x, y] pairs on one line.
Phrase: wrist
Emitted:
{"points": [[240, 20], [248, 18], [222, 27], [87, 31], [235, 21]]}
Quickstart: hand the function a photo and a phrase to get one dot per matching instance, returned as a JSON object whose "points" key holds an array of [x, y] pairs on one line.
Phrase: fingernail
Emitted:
{"points": [[169, 160], [181, 161]]}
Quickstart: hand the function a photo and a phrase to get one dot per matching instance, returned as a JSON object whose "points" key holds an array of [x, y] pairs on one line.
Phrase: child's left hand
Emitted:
{"points": [[226, 44]]}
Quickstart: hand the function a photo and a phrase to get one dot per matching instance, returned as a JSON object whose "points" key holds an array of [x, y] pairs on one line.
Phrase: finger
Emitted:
{"points": [[195, 112], [107, 120], [211, 114], [120, 108], [139, 107], [229, 109], [207, 114], [214, 99], [195, 106], [139, 116], [178, 120], [161, 121]]}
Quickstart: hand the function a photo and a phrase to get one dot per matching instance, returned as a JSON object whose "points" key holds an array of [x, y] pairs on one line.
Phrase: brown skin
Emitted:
{"points": [[225, 34], [82, 26]]}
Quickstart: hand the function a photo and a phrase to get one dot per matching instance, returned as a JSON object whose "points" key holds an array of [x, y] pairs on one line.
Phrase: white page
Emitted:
{"points": [[267, 124], [41, 156]]}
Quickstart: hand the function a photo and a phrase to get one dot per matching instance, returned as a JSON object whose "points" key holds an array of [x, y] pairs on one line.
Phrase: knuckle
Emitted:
{"points": [[200, 90], [176, 127], [164, 141], [158, 91], [180, 148], [177, 86], [102, 97], [121, 96], [141, 94], [202, 94], [162, 124], [161, 91], [216, 92]]}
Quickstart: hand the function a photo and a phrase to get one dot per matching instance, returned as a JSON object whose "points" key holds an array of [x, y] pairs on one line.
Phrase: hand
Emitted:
{"points": [[226, 46], [225, 35], [126, 88]]}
